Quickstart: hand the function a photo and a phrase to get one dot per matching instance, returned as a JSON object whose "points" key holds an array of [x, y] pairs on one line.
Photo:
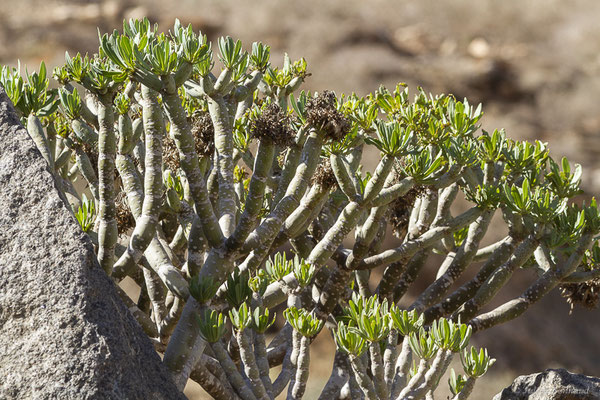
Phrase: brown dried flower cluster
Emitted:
{"points": [[170, 156], [272, 124], [585, 294], [125, 220], [322, 114], [324, 175], [204, 134], [399, 212]]}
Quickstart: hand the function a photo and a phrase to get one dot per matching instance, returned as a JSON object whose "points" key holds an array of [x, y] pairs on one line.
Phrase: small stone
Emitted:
{"points": [[552, 384], [479, 48]]}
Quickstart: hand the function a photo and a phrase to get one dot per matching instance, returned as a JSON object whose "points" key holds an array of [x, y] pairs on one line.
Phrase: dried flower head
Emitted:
{"points": [[399, 212], [170, 156], [586, 294], [324, 175], [272, 124], [204, 134], [125, 220], [322, 114]]}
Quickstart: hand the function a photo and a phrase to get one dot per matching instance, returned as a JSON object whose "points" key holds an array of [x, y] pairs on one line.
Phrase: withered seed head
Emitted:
{"points": [[170, 156], [322, 114], [399, 212], [272, 124], [586, 294], [125, 220], [204, 134], [324, 175]]}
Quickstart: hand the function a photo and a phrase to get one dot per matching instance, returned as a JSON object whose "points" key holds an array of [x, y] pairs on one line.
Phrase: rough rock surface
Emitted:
{"points": [[64, 332], [552, 384]]}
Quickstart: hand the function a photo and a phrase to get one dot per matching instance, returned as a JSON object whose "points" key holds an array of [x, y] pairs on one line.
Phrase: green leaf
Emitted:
{"points": [[231, 52], [476, 363], [203, 290], [279, 266], [259, 58], [261, 320], [406, 322], [423, 344], [237, 289], [211, 325], [240, 317], [305, 323], [85, 213], [348, 340]]}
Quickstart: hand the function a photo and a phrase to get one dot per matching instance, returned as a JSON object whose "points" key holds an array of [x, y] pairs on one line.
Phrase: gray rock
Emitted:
{"points": [[64, 332], [552, 384]]}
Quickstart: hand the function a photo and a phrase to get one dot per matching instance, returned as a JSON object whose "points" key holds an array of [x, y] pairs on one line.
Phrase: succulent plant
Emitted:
{"points": [[247, 193]]}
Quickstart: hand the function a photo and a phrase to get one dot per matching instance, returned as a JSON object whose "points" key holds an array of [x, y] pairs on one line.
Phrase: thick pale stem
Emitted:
{"points": [[339, 377], [342, 175], [216, 388], [291, 162], [250, 366], [363, 380], [390, 356], [219, 113], [451, 303], [498, 279], [266, 231], [184, 350], [145, 227], [401, 369], [36, 131], [415, 380], [548, 281], [233, 375], [423, 241], [460, 262], [87, 170], [107, 229], [299, 383], [437, 368], [466, 390], [377, 370], [260, 350], [182, 135], [255, 199]]}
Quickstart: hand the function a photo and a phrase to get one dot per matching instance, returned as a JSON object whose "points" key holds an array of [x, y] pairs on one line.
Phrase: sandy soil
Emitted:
{"points": [[534, 65]]}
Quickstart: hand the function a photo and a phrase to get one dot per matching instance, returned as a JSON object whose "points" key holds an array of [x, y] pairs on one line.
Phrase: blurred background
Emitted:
{"points": [[534, 65]]}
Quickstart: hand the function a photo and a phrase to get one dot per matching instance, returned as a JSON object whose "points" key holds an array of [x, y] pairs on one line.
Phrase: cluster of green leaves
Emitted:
{"points": [[86, 213], [456, 382], [476, 363], [30, 95], [282, 80], [367, 320], [278, 266], [143, 55], [238, 292], [212, 325], [304, 322], [433, 135], [70, 103], [364, 320], [203, 290], [443, 334], [173, 183]]}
